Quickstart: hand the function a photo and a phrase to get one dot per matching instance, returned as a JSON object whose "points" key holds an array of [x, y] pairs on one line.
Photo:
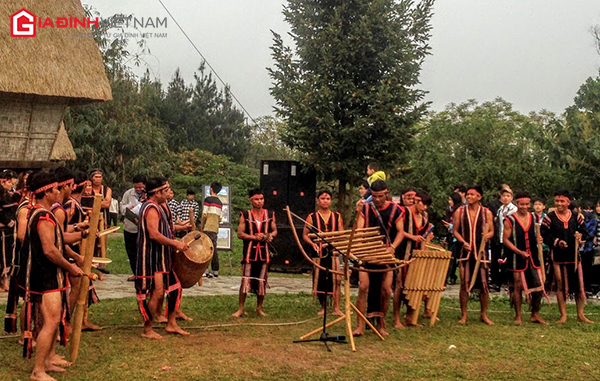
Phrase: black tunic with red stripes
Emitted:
{"points": [[41, 275], [323, 283]]}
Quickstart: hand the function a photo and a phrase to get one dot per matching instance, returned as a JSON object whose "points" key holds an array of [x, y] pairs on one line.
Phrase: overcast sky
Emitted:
{"points": [[533, 53]]}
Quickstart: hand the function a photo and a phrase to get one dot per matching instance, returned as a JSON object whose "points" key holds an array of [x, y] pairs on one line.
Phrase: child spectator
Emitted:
{"points": [[375, 173]]}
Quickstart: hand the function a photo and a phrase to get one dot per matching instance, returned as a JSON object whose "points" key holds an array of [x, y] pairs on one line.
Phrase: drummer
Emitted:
{"points": [[154, 274], [257, 229]]}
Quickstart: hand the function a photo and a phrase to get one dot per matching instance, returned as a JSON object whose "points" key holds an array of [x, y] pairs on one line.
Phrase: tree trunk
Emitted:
{"points": [[344, 204]]}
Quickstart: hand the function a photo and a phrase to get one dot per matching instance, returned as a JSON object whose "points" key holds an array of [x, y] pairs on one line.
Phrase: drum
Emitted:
{"points": [[191, 264]]}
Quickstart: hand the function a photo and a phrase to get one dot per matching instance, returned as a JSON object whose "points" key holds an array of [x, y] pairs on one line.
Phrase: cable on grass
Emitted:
{"points": [[227, 325]]}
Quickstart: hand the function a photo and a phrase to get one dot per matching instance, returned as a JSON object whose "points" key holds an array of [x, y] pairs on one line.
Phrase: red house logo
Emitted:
{"points": [[22, 24]]}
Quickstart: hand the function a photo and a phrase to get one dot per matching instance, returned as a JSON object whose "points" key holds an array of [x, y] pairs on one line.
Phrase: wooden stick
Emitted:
{"points": [[538, 236], [339, 319], [87, 250], [375, 238], [341, 232], [576, 251], [347, 302], [480, 253], [102, 238], [342, 237], [108, 231], [366, 321]]}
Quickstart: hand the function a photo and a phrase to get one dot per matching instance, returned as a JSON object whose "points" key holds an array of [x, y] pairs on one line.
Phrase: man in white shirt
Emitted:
{"points": [[132, 198], [497, 270]]}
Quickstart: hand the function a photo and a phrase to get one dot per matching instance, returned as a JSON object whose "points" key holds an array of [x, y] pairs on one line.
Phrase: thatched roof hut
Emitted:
{"points": [[39, 77]]}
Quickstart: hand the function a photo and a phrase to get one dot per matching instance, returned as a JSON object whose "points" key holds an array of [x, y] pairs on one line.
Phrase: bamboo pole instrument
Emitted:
{"points": [[480, 259], [370, 249], [538, 236], [425, 279], [101, 228], [87, 248]]}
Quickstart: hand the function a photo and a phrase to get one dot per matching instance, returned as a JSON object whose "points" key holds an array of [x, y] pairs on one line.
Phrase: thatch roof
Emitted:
{"points": [[55, 62], [62, 148]]}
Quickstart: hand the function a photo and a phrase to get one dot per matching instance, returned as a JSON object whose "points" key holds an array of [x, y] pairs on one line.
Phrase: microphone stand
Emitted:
{"points": [[325, 338]]}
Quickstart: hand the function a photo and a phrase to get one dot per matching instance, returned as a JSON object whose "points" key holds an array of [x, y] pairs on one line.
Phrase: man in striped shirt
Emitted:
{"points": [[186, 205]]}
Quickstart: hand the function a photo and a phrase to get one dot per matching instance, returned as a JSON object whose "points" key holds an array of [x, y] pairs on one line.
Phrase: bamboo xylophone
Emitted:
{"points": [[367, 245], [426, 277]]}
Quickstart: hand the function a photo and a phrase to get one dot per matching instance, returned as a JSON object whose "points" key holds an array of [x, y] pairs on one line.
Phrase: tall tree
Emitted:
{"points": [[347, 89], [487, 144], [576, 141]]}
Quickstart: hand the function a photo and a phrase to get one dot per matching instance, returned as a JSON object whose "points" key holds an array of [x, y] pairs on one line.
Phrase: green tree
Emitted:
{"points": [[347, 90], [266, 143], [203, 117], [487, 144], [575, 142]]}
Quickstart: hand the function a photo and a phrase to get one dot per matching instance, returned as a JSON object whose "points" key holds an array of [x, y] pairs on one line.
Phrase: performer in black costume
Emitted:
{"points": [[324, 220], [562, 230], [378, 286], [523, 258]]}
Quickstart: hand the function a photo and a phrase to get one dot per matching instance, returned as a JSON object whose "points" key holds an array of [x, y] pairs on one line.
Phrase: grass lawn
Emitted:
{"points": [[224, 348]]}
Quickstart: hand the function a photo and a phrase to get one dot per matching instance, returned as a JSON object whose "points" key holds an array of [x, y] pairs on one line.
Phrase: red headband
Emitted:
{"points": [[82, 184], [152, 191], [66, 182], [257, 196], [45, 188], [564, 197]]}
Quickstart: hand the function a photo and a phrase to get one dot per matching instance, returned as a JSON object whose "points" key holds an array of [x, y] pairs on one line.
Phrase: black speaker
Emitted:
{"points": [[286, 257], [288, 183]]}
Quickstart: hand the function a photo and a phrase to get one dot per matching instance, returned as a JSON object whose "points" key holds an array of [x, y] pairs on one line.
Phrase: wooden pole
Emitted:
{"points": [[102, 237], [347, 303], [538, 235], [87, 250]]}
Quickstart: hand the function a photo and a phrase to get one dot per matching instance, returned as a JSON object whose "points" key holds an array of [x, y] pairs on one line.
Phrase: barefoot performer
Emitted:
{"points": [[257, 229], [154, 274], [562, 231], [525, 261], [415, 225], [324, 220], [473, 228], [43, 280], [378, 286]]}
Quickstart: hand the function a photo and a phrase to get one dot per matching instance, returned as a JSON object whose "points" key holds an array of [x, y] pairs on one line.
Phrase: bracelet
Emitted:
{"points": [[392, 246], [75, 227]]}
